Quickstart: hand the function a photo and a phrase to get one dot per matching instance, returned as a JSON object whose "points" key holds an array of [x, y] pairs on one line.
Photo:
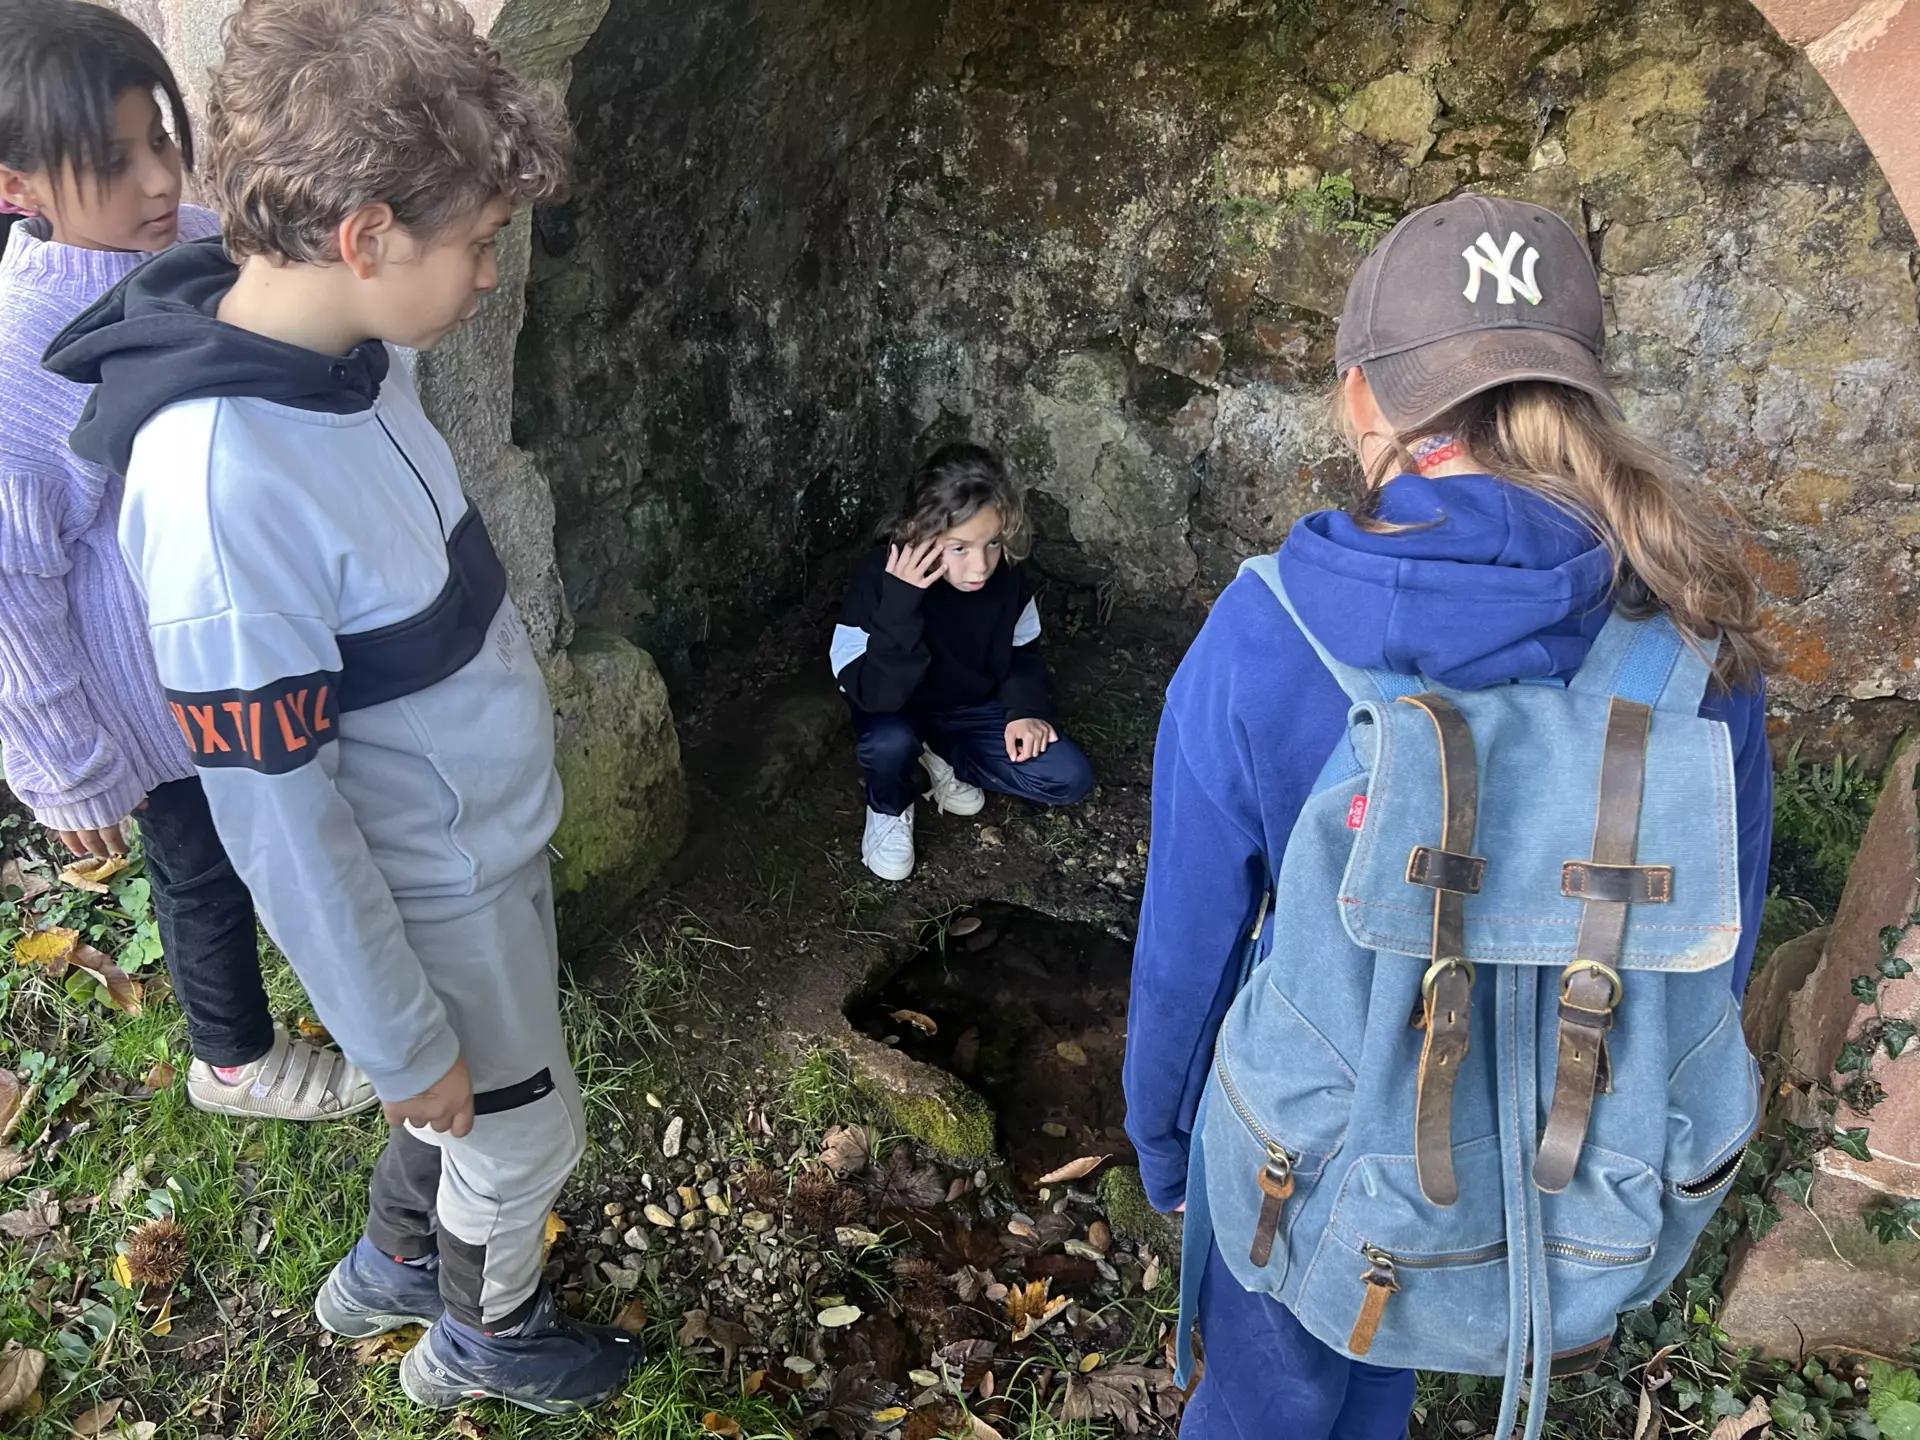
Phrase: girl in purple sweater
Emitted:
{"points": [[88, 159]]}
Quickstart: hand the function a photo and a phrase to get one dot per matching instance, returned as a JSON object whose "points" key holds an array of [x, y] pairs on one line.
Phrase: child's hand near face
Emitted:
{"points": [[919, 566], [1028, 738]]}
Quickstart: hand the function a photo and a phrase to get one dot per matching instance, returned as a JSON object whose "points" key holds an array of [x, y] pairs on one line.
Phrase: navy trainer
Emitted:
{"points": [[550, 1363], [370, 1293]]}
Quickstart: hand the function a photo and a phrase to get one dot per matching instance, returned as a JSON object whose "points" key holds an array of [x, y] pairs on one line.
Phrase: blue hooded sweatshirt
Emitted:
{"points": [[1496, 585]]}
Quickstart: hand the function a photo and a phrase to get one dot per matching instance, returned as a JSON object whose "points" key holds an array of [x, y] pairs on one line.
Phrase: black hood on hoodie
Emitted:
{"points": [[155, 339]]}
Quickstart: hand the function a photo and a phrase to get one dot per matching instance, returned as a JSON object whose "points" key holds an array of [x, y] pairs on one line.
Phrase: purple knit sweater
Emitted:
{"points": [[84, 730]]}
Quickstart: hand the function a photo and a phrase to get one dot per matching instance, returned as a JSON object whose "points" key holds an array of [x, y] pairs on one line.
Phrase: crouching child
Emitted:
{"points": [[938, 652]]}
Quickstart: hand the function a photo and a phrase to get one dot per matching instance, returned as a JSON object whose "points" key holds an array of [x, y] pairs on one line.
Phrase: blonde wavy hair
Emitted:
{"points": [[1672, 550], [324, 106]]}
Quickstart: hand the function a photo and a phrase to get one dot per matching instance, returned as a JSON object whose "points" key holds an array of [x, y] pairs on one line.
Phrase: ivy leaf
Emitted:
{"points": [[1853, 1142], [1865, 988], [1898, 1035], [1895, 968], [1892, 1222], [1762, 1215], [1796, 1185], [1853, 1057], [1889, 1383], [1890, 938]]}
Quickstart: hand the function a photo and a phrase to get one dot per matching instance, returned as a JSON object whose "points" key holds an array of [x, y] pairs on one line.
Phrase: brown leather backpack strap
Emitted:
{"points": [[1448, 987], [1591, 987]]}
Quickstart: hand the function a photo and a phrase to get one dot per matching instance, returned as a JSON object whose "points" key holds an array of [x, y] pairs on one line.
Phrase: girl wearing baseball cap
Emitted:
{"points": [[1507, 510]]}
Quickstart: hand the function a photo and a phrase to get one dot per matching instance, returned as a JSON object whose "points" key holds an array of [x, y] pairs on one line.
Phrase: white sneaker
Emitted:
{"points": [[950, 793], [888, 846], [295, 1080]]}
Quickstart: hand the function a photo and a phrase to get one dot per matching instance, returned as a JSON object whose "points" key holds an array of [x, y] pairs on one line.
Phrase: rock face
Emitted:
{"points": [[1822, 1276], [812, 240]]}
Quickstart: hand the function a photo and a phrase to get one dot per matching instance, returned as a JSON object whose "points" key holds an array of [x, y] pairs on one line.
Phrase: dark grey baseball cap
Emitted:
{"points": [[1468, 294]]}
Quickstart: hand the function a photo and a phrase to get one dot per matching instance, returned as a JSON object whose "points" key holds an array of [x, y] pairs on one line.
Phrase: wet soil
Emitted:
{"points": [[1030, 1011]]}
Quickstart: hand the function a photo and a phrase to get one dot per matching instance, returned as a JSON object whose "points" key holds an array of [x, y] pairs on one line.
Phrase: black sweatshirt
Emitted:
{"points": [[898, 647]]}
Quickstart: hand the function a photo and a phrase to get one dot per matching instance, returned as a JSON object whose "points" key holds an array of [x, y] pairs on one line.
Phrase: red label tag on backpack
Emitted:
{"points": [[1357, 812]]}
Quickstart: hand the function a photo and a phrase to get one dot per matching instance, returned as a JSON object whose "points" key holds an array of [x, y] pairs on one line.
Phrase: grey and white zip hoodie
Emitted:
{"points": [[334, 636]]}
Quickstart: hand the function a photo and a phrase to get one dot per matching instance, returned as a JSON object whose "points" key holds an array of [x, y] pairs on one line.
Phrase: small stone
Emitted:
{"points": [[692, 1219], [659, 1216], [991, 838], [717, 1204], [613, 1210], [702, 1171], [670, 1142], [609, 1237], [979, 1179], [711, 1188], [757, 1222], [1100, 1236], [674, 1207], [636, 1239], [595, 1255], [1055, 1129], [689, 1197]]}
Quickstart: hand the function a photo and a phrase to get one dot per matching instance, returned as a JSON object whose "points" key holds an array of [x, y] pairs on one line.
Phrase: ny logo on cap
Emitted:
{"points": [[1499, 264]]}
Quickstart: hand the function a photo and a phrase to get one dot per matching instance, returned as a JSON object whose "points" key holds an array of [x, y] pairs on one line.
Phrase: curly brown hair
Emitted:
{"points": [[953, 485], [324, 106]]}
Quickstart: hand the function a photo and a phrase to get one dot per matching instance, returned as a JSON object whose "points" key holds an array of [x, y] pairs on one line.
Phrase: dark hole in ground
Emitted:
{"points": [[1031, 1012]]}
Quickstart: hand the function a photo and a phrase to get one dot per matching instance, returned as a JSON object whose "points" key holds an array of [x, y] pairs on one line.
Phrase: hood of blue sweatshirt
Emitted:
{"points": [[156, 338], [1479, 583]]}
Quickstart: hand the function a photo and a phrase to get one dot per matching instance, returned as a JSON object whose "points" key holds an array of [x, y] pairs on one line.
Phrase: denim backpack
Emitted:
{"points": [[1484, 1081]]}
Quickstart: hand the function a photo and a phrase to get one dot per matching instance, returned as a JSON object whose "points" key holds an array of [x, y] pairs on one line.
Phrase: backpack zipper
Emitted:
{"points": [[1382, 1278], [1714, 1178], [1276, 1172]]}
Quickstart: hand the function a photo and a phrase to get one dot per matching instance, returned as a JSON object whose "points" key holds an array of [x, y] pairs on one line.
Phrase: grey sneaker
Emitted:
{"points": [[370, 1293], [295, 1080], [950, 793], [550, 1363]]}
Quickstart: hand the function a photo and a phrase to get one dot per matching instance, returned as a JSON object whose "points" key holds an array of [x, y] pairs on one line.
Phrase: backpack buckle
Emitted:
{"points": [[1437, 968]]}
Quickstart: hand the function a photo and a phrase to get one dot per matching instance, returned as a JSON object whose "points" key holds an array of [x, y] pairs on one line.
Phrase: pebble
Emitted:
{"points": [[689, 1197], [711, 1188], [670, 1142], [757, 1222], [636, 1239], [673, 1206], [659, 1216], [703, 1171], [692, 1219], [609, 1237], [979, 1179], [613, 1210], [1100, 1236], [718, 1205]]}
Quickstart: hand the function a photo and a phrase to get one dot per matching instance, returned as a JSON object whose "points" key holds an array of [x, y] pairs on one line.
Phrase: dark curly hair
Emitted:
{"points": [[953, 485]]}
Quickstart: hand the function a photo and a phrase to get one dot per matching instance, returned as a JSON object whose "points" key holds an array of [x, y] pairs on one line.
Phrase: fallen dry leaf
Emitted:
{"points": [[311, 1029], [923, 1023], [1030, 1306], [836, 1316], [20, 1372], [161, 1076], [12, 1101], [1074, 1169], [1750, 1426], [91, 872], [48, 947], [466, 1427], [138, 1430], [979, 1429], [35, 1218], [1090, 1363], [754, 1381], [847, 1150], [1071, 1052], [390, 1348], [555, 1228], [122, 1272], [965, 925], [714, 1423], [123, 991], [31, 884], [92, 1421], [163, 1322], [632, 1317], [13, 1164]]}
